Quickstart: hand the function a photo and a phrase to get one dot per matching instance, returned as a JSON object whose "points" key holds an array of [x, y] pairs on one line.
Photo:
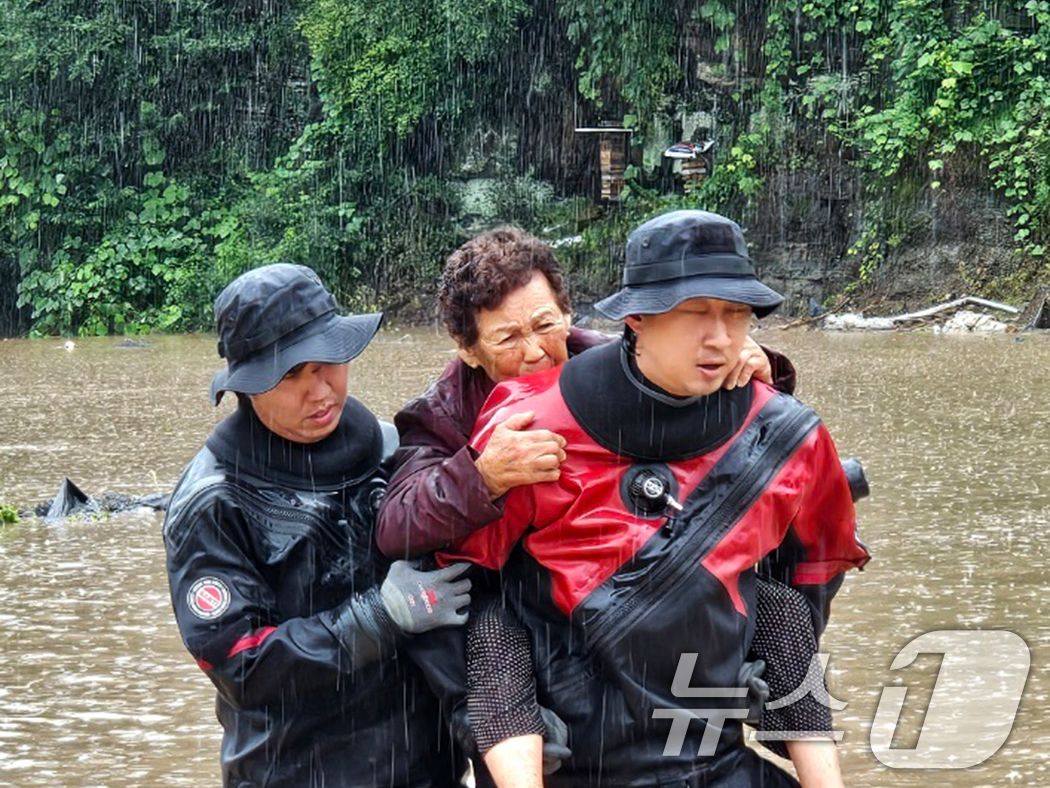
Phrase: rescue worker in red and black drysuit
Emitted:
{"points": [[506, 305], [278, 589], [616, 585]]}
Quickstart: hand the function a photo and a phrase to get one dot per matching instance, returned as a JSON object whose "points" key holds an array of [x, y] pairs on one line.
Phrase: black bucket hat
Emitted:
{"points": [[683, 255], [275, 317]]}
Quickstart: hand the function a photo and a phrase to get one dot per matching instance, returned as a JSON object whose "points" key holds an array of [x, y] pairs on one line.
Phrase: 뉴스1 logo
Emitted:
{"points": [[968, 719], [208, 598]]}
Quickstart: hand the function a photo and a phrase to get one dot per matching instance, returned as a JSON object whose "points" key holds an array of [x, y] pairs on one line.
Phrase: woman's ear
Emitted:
{"points": [[467, 354]]}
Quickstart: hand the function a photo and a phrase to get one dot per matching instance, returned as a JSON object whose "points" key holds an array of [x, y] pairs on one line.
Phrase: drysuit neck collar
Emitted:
{"points": [[635, 419], [629, 364], [353, 451]]}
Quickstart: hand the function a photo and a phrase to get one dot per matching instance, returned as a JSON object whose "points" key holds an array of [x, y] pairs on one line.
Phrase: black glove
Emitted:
{"points": [[757, 689], [419, 601], [555, 741]]}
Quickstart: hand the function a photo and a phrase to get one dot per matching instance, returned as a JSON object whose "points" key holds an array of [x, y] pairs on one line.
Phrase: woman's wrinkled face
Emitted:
{"points": [[526, 333]]}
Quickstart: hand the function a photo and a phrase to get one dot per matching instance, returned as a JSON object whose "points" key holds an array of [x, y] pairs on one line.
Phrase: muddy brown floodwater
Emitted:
{"points": [[96, 689]]}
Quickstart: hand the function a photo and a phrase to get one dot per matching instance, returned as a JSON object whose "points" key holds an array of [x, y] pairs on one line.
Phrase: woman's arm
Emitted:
{"points": [[442, 490], [516, 762], [436, 495], [786, 641], [504, 714], [816, 762]]}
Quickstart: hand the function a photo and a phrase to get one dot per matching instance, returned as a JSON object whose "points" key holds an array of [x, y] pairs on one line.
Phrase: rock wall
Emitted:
{"points": [[807, 239]]}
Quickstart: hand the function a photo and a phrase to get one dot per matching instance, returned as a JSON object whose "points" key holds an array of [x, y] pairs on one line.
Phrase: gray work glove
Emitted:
{"points": [[418, 601], [555, 741], [757, 689]]}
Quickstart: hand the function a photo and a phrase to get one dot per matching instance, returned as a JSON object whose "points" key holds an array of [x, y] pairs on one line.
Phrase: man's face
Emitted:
{"points": [[526, 333], [306, 405], [691, 349]]}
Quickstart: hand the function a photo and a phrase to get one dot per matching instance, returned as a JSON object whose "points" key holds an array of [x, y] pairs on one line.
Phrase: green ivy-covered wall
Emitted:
{"points": [[150, 151]]}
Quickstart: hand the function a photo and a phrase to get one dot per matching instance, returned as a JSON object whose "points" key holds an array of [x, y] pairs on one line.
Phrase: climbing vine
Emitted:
{"points": [[152, 150]]}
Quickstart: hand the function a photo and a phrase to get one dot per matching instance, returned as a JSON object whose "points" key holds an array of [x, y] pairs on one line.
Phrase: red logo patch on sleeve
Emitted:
{"points": [[208, 598]]}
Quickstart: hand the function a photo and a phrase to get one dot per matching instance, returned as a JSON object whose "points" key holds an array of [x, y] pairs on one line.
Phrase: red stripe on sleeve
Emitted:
{"points": [[816, 573], [251, 641]]}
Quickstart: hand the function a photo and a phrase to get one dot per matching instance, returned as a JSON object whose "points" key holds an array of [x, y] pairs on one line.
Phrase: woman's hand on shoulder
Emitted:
{"points": [[751, 363], [516, 455]]}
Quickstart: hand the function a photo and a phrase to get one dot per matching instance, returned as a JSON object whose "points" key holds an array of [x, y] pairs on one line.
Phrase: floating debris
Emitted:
{"points": [[854, 321], [957, 321], [135, 344], [966, 322], [70, 500]]}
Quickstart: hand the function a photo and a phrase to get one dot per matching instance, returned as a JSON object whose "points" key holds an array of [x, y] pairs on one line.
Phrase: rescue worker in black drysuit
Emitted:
{"points": [[278, 590], [644, 551]]}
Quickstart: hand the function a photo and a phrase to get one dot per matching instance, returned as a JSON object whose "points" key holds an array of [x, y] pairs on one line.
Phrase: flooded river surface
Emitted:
{"points": [[96, 689]]}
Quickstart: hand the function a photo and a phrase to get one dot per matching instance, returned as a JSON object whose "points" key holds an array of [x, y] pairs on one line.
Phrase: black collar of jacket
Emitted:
{"points": [[623, 418], [353, 452]]}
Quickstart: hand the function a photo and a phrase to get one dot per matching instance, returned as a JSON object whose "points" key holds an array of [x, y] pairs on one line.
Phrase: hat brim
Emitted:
{"points": [[659, 297], [339, 340]]}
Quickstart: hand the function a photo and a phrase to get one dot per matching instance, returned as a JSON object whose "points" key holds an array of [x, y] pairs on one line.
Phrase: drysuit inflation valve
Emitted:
{"points": [[648, 490]]}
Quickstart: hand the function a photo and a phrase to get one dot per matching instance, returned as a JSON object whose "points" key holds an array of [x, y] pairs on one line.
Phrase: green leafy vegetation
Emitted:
{"points": [[151, 151], [8, 514]]}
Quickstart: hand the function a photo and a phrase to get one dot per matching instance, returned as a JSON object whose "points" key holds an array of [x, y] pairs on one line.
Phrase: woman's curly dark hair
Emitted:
{"points": [[484, 270]]}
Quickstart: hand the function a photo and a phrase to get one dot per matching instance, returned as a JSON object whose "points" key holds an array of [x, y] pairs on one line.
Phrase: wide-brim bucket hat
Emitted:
{"points": [[687, 254], [276, 317]]}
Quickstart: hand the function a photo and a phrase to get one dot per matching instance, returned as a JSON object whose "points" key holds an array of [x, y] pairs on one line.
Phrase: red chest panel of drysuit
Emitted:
{"points": [[578, 527]]}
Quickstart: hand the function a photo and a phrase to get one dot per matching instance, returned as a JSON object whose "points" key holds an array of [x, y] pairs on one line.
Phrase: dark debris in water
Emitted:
{"points": [[70, 501]]}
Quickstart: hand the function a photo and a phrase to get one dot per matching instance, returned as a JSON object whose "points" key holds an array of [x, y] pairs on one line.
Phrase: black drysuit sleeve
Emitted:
{"points": [[226, 612]]}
